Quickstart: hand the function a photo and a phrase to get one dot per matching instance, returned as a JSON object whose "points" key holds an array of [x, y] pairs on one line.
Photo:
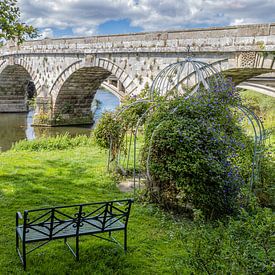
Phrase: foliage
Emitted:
{"points": [[109, 131], [264, 107], [195, 149], [10, 26], [237, 246], [264, 187], [200, 158], [59, 142], [113, 127]]}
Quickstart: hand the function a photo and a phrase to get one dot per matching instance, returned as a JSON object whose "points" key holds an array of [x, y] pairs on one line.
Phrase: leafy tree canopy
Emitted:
{"points": [[10, 26]]}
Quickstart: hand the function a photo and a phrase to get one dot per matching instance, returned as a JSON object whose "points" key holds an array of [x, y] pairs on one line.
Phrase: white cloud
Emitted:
{"points": [[84, 16], [46, 33]]}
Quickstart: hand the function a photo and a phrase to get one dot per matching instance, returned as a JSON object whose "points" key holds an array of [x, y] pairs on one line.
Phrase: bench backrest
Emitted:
{"points": [[56, 221]]}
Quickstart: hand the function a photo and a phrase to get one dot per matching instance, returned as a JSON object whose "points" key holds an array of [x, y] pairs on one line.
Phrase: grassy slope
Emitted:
{"points": [[35, 179], [264, 107]]}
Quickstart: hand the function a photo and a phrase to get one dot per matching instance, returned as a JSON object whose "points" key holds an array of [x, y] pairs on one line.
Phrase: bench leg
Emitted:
{"points": [[125, 240], [17, 240], [77, 248], [24, 258]]}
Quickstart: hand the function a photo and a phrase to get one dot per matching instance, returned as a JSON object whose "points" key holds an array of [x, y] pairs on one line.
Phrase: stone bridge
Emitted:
{"points": [[65, 73]]}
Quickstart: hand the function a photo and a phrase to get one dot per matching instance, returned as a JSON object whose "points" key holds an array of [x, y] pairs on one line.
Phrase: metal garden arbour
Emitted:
{"points": [[181, 80]]}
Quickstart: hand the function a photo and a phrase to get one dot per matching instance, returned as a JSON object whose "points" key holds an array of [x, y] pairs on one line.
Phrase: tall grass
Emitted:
{"points": [[59, 142], [264, 107]]}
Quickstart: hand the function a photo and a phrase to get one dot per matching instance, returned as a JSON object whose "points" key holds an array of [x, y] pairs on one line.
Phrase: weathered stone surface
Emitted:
{"points": [[67, 71]]}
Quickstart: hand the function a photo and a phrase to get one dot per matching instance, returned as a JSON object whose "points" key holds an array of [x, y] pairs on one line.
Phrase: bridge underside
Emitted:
{"points": [[240, 75], [72, 105], [14, 81]]}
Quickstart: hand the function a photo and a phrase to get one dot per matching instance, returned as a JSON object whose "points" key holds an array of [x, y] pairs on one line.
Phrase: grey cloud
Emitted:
{"points": [[83, 16]]}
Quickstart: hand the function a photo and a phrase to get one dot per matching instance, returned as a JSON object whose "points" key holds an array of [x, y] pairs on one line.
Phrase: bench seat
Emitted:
{"points": [[68, 229]]}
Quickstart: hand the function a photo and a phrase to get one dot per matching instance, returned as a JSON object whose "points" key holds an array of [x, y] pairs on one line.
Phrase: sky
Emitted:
{"points": [[67, 18]]}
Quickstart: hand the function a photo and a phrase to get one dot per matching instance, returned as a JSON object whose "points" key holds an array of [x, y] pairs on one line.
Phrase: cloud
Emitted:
{"points": [[46, 33], [83, 17]]}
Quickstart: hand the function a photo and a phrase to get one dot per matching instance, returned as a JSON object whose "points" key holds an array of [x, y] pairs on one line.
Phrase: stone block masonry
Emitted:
{"points": [[66, 72]]}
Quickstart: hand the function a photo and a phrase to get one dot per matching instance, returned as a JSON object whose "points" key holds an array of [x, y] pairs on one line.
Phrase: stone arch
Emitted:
{"points": [[74, 99], [239, 75], [127, 81], [2, 65], [14, 81], [113, 89], [73, 91], [28, 67]]}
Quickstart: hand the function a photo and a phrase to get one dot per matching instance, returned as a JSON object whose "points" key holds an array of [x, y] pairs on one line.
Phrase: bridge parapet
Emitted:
{"points": [[222, 39]]}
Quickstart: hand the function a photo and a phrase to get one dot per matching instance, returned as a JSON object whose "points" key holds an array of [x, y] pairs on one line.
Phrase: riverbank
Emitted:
{"points": [[158, 242], [18, 126]]}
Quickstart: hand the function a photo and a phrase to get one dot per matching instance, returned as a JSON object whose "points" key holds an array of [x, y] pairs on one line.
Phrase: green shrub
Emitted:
{"points": [[195, 148], [264, 187], [112, 127], [59, 142], [110, 130]]}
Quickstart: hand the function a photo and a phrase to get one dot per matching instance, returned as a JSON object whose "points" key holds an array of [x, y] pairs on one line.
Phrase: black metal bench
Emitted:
{"points": [[62, 222]]}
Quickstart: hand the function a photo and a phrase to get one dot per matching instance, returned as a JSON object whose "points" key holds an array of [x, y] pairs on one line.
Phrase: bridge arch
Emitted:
{"points": [[126, 80], [73, 91], [239, 75], [17, 84]]}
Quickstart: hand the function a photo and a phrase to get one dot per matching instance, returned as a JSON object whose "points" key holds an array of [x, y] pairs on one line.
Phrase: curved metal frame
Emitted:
{"points": [[169, 81]]}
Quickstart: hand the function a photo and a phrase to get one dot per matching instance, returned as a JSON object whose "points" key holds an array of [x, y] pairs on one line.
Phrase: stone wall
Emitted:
{"points": [[67, 71], [221, 39]]}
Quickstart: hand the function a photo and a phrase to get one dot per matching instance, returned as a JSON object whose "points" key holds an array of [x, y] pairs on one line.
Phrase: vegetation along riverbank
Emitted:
{"points": [[64, 170]]}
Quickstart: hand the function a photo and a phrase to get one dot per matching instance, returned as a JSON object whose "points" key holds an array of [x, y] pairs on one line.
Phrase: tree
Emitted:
{"points": [[10, 26]]}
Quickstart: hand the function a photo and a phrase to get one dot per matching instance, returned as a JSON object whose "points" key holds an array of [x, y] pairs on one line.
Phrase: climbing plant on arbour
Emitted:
{"points": [[195, 154]]}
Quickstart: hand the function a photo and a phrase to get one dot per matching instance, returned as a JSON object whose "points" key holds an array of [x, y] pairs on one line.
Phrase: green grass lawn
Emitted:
{"points": [[157, 242], [31, 180]]}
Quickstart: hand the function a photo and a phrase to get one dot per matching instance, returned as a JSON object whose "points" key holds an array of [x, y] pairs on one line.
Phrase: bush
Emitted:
{"points": [[196, 154], [109, 129], [195, 148], [112, 127]]}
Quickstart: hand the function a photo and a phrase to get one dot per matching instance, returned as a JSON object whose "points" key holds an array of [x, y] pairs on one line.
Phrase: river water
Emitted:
{"points": [[17, 126]]}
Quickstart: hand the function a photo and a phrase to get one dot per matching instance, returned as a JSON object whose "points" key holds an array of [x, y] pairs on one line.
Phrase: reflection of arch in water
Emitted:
{"points": [[12, 129]]}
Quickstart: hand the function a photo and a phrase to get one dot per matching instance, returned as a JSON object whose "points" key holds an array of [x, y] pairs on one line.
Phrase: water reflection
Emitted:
{"points": [[14, 127]]}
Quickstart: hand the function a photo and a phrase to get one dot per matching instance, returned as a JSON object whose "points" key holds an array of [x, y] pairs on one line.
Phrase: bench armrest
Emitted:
{"points": [[19, 215]]}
